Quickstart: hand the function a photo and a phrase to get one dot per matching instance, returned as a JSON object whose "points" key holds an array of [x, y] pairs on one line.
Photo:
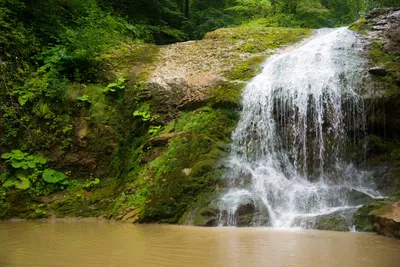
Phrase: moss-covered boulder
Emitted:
{"points": [[222, 209], [336, 221]]}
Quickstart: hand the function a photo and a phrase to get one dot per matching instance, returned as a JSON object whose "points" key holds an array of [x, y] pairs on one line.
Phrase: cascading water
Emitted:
{"points": [[289, 158]]}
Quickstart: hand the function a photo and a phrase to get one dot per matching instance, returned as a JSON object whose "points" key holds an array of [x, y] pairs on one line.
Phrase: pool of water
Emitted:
{"points": [[102, 243]]}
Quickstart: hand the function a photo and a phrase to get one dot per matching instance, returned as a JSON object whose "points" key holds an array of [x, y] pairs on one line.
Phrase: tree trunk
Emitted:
{"points": [[187, 7]]}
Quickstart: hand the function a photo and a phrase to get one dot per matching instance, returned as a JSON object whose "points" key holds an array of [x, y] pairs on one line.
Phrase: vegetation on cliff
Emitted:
{"points": [[92, 112]]}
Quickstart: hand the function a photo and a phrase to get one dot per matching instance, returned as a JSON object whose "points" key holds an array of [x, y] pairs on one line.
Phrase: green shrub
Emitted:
{"points": [[30, 172], [115, 87]]}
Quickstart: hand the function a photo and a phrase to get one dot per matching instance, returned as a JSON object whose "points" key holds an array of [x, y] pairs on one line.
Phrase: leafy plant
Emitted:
{"points": [[154, 130], [18, 159], [84, 98], [52, 177], [143, 114], [115, 87], [25, 170], [90, 185]]}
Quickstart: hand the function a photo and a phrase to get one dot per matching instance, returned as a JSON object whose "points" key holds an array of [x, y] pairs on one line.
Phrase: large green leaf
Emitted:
{"points": [[52, 176], [16, 164], [21, 174], [25, 165], [6, 156], [18, 154], [10, 182], [40, 160], [23, 99], [31, 164], [23, 184]]}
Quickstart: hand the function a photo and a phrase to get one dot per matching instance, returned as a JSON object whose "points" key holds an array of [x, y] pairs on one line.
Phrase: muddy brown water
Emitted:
{"points": [[101, 243]]}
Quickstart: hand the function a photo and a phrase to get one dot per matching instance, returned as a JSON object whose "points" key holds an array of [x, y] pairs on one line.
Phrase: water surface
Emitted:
{"points": [[99, 243]]}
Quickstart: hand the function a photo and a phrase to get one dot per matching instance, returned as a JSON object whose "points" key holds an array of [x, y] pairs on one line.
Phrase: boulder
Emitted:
{"points": [[242, 209], [131, 217], [386, 220], [202, 216], [378, 71], [341, 220], [232, 209]]}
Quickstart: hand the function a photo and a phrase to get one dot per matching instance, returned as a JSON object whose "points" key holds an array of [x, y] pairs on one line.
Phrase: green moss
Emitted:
{"points": [[391, 63], [331, 223], [19, 205], [79, 206], [383, 208], [377, 144], [219, 123], [256, 36], [249, 218], [363, 217], [120, 60], [360, 26], [163, 191], [3, 203], [205, 217], [247, 70], [200, 212]]}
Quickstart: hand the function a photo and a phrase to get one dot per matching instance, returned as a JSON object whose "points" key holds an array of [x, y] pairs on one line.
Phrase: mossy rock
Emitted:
{"points": [[19, 204], [337, 221], [202, 211], [247, 70], [362, 218], [206, 216], [227, 95], [79, 206]]}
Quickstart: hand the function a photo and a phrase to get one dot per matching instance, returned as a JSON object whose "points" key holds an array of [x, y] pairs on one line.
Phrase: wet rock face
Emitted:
{"points": [[386, 25], [386, 220], [378, 71], [336, 221], [248, 213], [341, 220], [382, 87]]}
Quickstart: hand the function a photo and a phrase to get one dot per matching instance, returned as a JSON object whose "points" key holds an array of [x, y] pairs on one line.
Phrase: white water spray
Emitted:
{"points": [[290, 148]]}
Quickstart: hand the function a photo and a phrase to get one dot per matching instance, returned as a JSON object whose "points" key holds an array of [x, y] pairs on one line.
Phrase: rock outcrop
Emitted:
{"points": [[385, 25], [381, 27], [386, 220]]}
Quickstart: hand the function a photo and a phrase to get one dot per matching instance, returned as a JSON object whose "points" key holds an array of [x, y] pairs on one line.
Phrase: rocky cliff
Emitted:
{"points": [[382, 94], [152, 129]]}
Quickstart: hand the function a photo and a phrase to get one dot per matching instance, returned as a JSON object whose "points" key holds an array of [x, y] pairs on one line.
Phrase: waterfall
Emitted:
{"points": [[302, 118]]}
